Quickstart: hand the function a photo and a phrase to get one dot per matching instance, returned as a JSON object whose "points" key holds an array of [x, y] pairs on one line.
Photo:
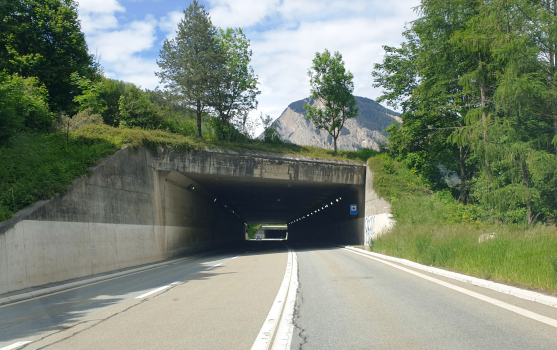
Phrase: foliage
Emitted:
{"points": [[445, 233], [43, 39], [136, 110], [23, 106], [270, 133], [476, 81], [190, 62], [91, 92], [37, 166], [236, 92], [332, 85]]}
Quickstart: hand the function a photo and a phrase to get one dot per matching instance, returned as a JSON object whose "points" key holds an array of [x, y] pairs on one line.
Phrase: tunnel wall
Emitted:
{"points": [[125, 214]]}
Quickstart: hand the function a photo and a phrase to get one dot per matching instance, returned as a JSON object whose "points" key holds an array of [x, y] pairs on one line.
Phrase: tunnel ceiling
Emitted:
{"points": [[267, 200]]}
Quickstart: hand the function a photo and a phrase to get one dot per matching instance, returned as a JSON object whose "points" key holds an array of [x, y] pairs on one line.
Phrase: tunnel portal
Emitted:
{"points": [[312, 196]]}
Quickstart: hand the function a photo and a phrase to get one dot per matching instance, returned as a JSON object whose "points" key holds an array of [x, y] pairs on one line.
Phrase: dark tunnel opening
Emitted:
{"points": [[315, 211]]}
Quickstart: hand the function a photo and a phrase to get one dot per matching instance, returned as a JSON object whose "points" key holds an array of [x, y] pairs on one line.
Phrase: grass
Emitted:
{"points": [[37, 166], [433, 229]]}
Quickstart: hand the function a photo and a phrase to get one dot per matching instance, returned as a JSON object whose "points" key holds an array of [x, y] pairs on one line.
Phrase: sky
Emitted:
{"points": [[126, 36]]}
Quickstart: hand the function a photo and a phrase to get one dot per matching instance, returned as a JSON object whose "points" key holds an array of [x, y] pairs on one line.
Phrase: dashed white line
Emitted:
{"points": [[496, 302], [149, 293], [15, 345]]}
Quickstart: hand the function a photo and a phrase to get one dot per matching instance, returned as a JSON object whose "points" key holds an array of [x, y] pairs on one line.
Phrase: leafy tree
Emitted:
{"points": [[110, 93], [478, 77], [43, 39], [23, 106], [189, 63], [331, 85], [91, 93], [236, 92], [270, 134], [137, 111]]}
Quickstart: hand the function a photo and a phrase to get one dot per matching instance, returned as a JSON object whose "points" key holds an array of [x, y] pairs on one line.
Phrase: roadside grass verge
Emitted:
{"points": [[34, 167], [434, 229]]}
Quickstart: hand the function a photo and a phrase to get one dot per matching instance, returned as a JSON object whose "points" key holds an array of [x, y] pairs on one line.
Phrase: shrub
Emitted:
{"points": [[23, 106]]}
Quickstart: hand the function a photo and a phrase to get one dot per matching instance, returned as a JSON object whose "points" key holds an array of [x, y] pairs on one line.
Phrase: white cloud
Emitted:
{"points": [[169, 23], [119, 46], [285, 36]]}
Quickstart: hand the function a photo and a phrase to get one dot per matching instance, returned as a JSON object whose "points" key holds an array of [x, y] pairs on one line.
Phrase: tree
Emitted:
{"points": [[137, 111], [236, 92], [23, 106], [190, 62], [331, 85], [43, 39]]}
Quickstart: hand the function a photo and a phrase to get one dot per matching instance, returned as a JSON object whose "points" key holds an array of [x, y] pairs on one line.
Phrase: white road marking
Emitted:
{"points": [[266, 335], [501, 304], [151, 292], [15, 345], [215, 266], [283, 338]]}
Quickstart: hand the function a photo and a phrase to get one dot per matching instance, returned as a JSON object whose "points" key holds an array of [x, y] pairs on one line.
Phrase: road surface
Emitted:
{"points": [[223, 300]]}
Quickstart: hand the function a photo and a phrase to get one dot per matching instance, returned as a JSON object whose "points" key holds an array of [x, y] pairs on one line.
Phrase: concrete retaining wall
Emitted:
{"points": [[126, 213], [378, 218]]}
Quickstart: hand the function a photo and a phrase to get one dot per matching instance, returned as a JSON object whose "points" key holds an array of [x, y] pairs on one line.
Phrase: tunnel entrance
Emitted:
{"points": [[314, 198]]}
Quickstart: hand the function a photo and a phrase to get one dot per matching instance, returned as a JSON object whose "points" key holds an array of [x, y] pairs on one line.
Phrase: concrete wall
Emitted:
{"points": [[126, 213], [378, 216]]}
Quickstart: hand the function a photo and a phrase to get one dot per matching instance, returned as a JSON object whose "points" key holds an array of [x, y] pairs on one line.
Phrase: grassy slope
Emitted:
{"points": [[433, 229], [37, 166]]}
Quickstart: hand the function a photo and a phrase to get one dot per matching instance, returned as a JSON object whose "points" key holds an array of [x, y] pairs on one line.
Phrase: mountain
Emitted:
{"points": [[364, 131]]}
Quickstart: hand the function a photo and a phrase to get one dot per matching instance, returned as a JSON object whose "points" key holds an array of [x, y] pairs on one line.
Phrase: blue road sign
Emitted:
{"points": [[353, 209]]}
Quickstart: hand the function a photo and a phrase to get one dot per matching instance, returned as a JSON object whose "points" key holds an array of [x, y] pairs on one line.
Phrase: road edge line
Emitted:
{"points": [[498, 287], [518, 310], [285, 331], [266, 334]]}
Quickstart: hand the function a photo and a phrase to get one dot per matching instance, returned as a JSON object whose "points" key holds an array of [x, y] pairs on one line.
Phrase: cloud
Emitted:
{"points": [[287, 34], [98, 15], [169, 23]]}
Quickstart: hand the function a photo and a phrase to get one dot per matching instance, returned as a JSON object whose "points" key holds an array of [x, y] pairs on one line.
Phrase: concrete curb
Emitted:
{"points": [[63, 287], [502, 288]]}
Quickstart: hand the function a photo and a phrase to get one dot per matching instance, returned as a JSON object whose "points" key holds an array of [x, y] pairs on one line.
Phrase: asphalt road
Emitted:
{"points": [[222, 300]]}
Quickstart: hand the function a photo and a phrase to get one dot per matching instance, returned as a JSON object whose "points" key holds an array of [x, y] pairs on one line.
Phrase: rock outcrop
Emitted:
{"points": [[365, 131]]}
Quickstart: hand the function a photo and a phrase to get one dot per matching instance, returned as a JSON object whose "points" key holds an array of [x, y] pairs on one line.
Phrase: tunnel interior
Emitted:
{"points": [[312, 210]]}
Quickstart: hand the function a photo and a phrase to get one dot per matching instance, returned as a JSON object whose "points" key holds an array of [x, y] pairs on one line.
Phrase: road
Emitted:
{"points": [[222, 300]]}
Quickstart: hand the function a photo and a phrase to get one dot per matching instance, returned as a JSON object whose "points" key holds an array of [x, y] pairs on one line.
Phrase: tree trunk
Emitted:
{"points": [[463, 197], [555, 130], [335, 143], [528, 199], [198, 111]]}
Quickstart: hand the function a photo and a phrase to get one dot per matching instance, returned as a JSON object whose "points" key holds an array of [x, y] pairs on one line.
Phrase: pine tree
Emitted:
{"points": [[190, 62]]}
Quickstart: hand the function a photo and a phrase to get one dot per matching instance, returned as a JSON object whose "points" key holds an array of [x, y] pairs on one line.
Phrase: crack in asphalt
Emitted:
{"points": [[299, 301]]}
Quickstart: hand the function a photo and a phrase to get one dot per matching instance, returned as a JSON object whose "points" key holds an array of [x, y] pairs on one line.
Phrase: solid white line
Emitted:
{"points": [[15, 345], [501, 304], [283, 338], [267, 332], [152, 292]]}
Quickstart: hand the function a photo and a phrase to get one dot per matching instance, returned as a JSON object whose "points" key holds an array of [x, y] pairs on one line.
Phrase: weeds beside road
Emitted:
{"points": [[433, 229]]}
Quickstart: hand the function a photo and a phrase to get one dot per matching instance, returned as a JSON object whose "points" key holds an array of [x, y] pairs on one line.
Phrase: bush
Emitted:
{"points": [[23, 106], [137, 111]]}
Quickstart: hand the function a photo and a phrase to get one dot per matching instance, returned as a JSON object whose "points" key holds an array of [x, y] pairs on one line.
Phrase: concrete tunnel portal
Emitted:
{"points": [[142, 205], [313, 197]]}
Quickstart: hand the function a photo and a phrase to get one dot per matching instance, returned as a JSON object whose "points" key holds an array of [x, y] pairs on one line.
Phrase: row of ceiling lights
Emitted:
{"points": [[325, 206], [192, 187]]}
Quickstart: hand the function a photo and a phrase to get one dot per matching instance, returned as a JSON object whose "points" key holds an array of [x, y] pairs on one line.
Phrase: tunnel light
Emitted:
{"points": [[337, 199], [215, 200], [322, 208]]}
